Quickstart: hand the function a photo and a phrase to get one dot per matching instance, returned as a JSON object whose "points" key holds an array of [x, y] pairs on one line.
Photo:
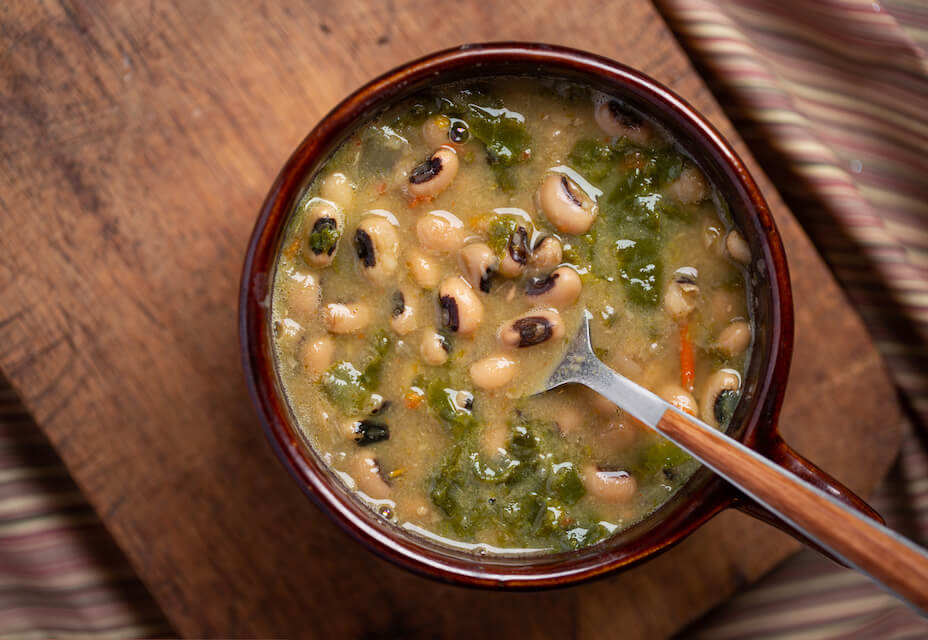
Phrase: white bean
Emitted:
{"points": [[338, 188], [735, 338], [690, 186], [547, 254], [618, 121], [720, 381], [565, 205], [368, 476], [461, 309], [680, 398], [325, 224], [434, 175], [681, 297], [402, 315], [303, 298], [493, 372], [435, 130], [479, 264], [560, 289], [494, 439], [440, 231], [377, 247], [434, 348], [737, 247], [532, 328], [317, 355], [610, 486], [346, 318], [423, 269]]}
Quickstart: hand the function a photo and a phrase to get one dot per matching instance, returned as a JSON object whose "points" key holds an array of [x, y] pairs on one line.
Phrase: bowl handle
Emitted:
{"points": [[784, 455]]}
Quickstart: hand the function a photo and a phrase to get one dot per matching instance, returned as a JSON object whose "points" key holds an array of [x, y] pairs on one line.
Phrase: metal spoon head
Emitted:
{"points": [[578, 361]]}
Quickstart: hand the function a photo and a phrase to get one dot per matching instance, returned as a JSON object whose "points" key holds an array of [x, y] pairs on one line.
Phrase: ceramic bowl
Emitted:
{"points": [[754, 421]]}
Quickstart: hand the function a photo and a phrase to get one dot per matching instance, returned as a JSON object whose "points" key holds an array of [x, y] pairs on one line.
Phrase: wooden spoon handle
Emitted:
{"points": [[901, 566]]}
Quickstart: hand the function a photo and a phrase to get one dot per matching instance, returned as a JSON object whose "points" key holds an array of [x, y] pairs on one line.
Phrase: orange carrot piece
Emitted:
{"points": [[412, 400], [687, 361]]}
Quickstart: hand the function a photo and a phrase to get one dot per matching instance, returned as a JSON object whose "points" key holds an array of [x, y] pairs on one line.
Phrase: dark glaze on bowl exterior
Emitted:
{"points": [[754, 421]]}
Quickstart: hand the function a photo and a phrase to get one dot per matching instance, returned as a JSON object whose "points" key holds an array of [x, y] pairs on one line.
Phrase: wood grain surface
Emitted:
{"points": [[137, 140]]}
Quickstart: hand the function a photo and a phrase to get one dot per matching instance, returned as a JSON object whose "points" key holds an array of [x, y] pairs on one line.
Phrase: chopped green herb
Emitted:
{"points": [[640, 269], [593, 159], [344, 386], [444, 403]]}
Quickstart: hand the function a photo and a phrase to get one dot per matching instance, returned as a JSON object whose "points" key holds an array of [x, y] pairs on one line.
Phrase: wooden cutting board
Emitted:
{"points": [[137, 141]]}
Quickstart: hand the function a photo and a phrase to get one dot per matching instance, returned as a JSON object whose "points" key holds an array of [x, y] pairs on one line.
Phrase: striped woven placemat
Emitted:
{"points": [[61, 575]]}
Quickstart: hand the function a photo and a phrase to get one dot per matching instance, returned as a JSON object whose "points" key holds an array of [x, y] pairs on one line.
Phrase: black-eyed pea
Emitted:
{"points": [[461, 309], [346, 318], [569, 420], [682, 294], [547, 254], [479, 265], [680, 398], [494, 371], [615, 435], [440, 231], [434, 348], [565, 205], [423, 269], [434, 175], [435, 130], [690, 186], [377, 247], [608, 485], [303, 298], [734, 338], [541, 326], [625, 365], [620, 122], [402, 315], [369, 477], [337, 188], [737, 247], [494, 438], [559, 289], [716, 393], [325, 223], [316, 356], [415, 508]]}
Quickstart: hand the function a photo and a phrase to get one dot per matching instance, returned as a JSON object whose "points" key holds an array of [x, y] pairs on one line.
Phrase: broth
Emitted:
{"points": [[438, 264]]}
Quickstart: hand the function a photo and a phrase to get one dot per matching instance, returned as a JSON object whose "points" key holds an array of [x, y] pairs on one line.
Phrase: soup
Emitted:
{"points": [[432, 274]]}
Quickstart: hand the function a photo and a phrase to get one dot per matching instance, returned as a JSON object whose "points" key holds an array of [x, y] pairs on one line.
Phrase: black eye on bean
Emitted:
{"points": [[450, 317], [625, 115], [399, 304], [367, 432], [518, 245], [426, 171], [365, 248]]}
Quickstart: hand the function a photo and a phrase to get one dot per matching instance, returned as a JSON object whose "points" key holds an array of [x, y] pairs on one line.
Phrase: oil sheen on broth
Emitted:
{"points": [[436, 267]]}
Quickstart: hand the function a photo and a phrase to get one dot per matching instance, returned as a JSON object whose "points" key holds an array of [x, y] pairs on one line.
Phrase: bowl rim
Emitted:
{"points": [[693, 509]]}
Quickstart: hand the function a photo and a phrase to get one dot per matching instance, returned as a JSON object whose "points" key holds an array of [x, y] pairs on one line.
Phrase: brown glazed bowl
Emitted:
{"points": [[754, 421]]}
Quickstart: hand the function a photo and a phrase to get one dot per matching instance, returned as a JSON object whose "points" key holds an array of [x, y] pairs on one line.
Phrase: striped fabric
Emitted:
{"points": [[61, 575], [832, 98]]}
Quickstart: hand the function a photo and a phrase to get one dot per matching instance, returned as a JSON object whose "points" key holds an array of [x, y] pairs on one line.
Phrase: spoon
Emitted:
{"points": [[898, 565]]}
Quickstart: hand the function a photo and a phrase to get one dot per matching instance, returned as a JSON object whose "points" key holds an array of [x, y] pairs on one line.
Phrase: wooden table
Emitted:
{"points": [[136, 144]]}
